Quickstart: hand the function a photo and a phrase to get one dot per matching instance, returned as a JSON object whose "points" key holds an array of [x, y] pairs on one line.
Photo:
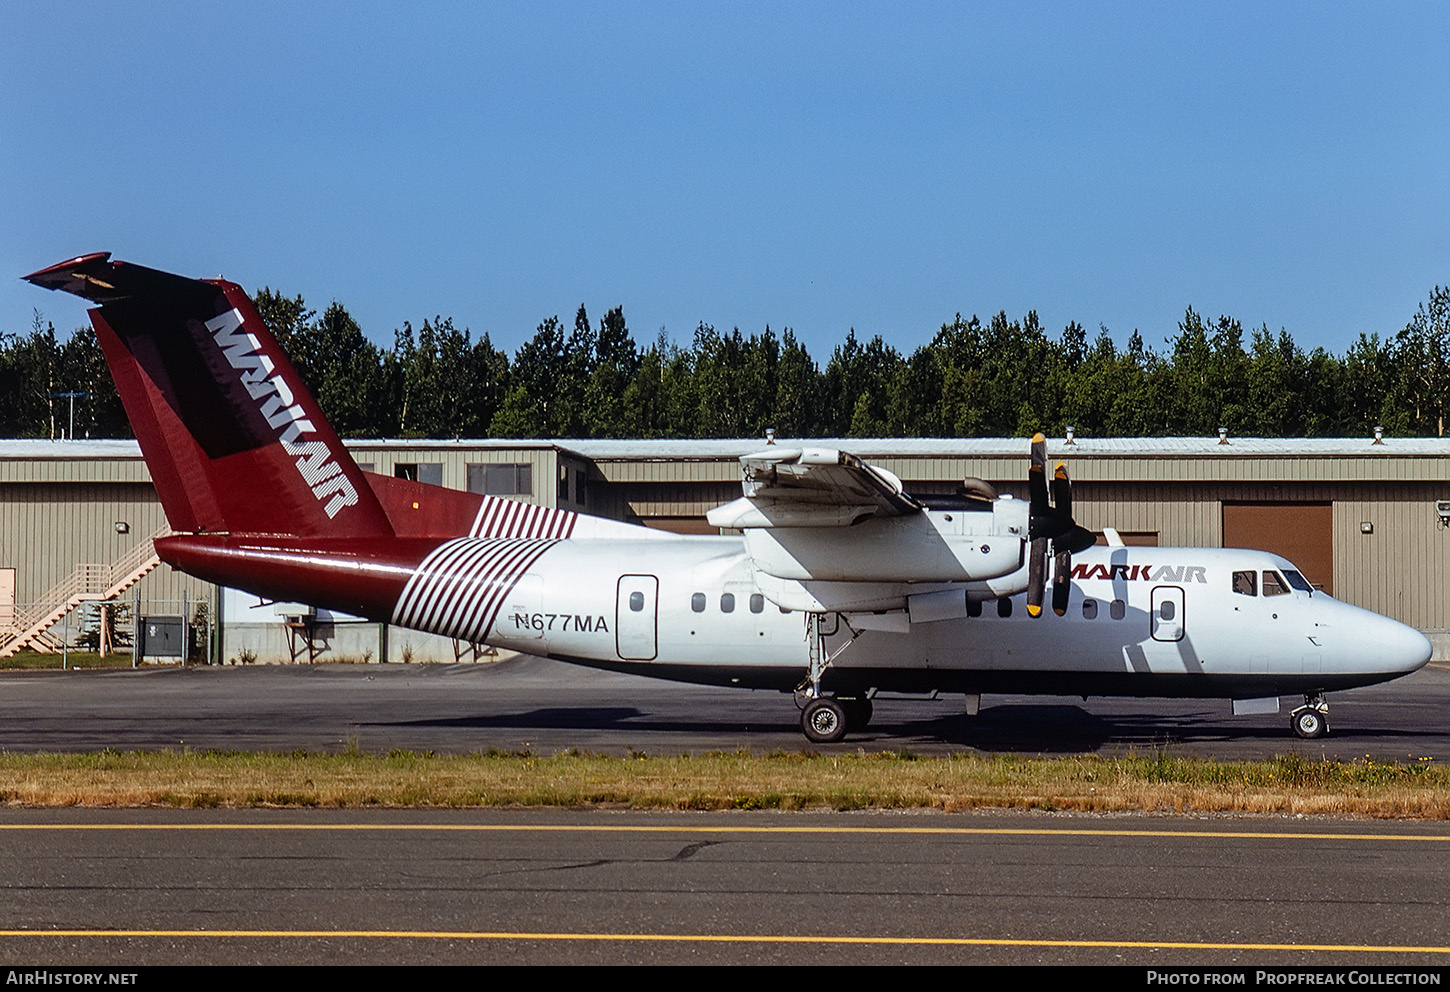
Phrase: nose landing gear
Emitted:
{"points": [[1312, 719]]}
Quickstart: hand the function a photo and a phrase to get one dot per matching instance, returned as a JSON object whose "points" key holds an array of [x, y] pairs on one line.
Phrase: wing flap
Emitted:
{"points": [[812, 487]]}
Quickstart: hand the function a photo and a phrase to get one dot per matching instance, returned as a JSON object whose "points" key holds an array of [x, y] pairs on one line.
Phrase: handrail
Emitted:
{"points": [[88, 582]]}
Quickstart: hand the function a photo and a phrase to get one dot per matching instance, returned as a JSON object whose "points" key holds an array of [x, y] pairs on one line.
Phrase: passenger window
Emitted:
{"points": [[974, 607], [1089, 609], [1246, 583], [697, 602], [636, 601], [1274, 585], [757, 603], [1166, 609], [1118, 609], [727, 602], [1004, 607]]}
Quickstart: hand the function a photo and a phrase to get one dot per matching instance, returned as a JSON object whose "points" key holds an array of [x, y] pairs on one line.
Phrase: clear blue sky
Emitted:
{"points": [[813, 166]]}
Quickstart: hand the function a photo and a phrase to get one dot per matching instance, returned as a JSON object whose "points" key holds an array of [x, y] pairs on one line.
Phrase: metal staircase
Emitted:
{"points": [[89, 583]]}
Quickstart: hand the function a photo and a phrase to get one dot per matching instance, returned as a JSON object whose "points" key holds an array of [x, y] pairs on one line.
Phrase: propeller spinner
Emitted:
{"points": [[1051, 524]]}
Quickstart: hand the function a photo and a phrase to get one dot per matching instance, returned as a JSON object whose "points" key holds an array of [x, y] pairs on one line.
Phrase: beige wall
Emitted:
{"points": [[56, 512], [47, 529]]}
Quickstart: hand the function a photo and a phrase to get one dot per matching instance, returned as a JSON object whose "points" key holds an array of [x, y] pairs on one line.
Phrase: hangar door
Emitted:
{"points": [[1300, 532]]}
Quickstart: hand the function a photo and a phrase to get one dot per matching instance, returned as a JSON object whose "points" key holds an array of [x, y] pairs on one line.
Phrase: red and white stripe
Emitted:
{"points": [[511, 518], [459, 588]]}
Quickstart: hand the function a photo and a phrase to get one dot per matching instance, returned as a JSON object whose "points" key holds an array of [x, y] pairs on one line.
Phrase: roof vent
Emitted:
{"points": [[1223, 435], [770, 435], [1069, 435], [1379, 435]]}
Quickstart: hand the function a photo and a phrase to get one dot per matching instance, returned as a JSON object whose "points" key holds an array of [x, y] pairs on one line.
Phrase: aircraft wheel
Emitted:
{"points": [[858, 713], [1309, 723], [823, 721]]}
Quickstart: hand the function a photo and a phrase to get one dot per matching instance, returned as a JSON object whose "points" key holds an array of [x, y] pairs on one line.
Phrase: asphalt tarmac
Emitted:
{"points": [[533, 704], [376, 887], [132, 887]]}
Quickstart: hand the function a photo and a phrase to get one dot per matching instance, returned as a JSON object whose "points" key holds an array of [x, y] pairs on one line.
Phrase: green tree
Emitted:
{"points": [[1424, 362]]}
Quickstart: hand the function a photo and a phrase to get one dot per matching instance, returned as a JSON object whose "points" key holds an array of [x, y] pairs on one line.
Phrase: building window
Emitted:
{"points": [[501, 480], [429, 472], [563, 484]]}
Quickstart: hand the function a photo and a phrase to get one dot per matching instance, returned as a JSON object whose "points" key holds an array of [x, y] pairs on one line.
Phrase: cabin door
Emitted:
{"points": [[1167, 613], [635, 617]]}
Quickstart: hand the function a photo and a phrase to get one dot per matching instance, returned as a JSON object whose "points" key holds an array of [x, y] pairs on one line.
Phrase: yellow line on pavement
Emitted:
{"points": [[729, 939]]}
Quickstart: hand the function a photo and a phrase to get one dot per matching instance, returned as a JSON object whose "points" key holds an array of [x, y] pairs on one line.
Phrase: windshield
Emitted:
{"points": [[1297, 581]]}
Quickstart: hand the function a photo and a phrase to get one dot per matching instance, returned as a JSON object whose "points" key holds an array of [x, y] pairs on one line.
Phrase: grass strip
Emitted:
{"points": [[1135, 782], [74, 659]]}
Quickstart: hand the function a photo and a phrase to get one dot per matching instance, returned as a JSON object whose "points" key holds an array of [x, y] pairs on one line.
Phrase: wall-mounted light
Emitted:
{"points": [[122, 527], [1442, 510], [1366, 527]]}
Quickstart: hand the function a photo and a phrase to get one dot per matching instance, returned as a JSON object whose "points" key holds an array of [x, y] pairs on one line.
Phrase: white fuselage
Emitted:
{"points": [[1140, 622]]}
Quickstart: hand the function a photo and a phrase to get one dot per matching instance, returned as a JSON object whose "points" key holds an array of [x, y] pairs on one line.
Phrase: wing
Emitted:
{"points": [[812, 487]]}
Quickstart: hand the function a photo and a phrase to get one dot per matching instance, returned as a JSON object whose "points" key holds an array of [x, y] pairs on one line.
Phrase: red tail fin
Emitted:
{"points": [[233, 439]]}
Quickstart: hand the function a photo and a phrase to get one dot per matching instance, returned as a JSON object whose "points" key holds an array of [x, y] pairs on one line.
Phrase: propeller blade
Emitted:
{"points": [[1041, 521], [1037, 479], [1061, 582], [1061, 492], [1039, 452], [1036, 576], [1074, 540]]}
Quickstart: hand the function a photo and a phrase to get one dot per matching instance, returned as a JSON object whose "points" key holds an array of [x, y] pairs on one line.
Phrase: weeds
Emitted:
{"points": [[1152, 781]]}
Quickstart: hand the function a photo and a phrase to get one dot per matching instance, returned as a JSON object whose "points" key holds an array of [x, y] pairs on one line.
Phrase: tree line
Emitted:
{"points": [[999, 377]]}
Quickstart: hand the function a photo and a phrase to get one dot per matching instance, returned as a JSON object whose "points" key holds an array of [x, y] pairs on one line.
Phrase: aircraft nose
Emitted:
{"points": [[1402, 648]]}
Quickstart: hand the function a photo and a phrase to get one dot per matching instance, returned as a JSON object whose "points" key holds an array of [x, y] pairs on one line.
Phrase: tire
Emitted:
{"points": [[1309, 723], [823, 721]]}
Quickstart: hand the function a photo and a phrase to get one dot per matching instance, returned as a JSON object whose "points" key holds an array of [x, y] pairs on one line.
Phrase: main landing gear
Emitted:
{"points": [[826, 719], [1312, 719]]}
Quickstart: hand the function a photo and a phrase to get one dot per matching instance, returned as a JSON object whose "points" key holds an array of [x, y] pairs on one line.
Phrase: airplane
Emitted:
{"points": [[839, 584]]}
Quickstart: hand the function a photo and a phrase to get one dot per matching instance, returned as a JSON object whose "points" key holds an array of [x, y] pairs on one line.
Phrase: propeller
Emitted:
{"points": [[1050, 523]]}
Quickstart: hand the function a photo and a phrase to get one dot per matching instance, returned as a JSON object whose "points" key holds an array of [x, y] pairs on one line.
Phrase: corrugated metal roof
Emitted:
{"points": [[1011, 447], [725, 448]]}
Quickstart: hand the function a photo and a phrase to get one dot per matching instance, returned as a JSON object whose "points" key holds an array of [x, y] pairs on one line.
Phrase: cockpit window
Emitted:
{"points": [[1298, 581], [1246, 583], [1274, 585]]}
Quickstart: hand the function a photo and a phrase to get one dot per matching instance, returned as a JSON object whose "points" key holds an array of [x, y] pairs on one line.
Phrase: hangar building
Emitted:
{"points": [[1367, 520]]}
